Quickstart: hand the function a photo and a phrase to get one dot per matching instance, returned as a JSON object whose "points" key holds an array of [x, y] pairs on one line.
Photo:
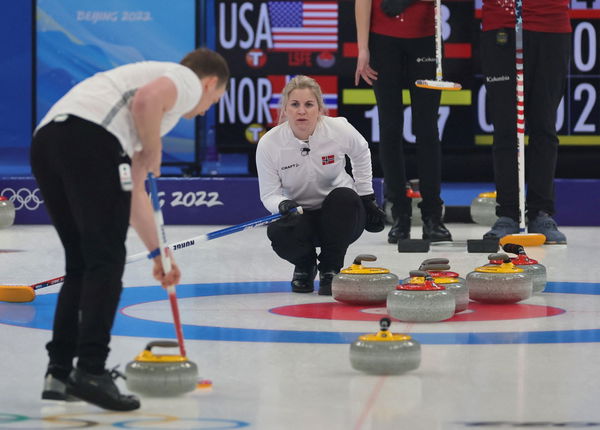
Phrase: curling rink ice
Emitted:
{"points": [[280, 361]]}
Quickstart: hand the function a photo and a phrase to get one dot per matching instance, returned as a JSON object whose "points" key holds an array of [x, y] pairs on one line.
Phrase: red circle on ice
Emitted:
{"points": [[475, 312]]}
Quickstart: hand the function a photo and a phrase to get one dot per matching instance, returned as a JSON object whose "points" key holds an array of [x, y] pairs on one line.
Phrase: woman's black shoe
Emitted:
{"points": [[100, 390], [325, 281], [400, 230], [303, 279], [434, 230]]}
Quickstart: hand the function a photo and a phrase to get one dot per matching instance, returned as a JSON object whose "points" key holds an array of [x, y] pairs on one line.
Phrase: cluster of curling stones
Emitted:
{"points": [[385, 353], [432, 293], [163, 375]]}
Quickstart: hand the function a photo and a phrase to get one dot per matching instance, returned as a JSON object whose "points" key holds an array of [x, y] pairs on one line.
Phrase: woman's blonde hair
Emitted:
{"points": [[301, 82]]}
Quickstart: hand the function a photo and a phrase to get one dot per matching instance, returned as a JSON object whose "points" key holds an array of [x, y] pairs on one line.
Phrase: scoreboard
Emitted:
{"points": [[267, 42]]}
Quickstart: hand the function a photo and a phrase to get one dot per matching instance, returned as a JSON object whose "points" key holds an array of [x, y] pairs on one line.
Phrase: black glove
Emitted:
{"points": [[286, 206], [395, 7], [375, 221]]}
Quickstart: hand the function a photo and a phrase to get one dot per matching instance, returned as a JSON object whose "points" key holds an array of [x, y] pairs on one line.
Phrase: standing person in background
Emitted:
{"points": [[80, 156], [302, 162], [396, 36], [546, 49]]}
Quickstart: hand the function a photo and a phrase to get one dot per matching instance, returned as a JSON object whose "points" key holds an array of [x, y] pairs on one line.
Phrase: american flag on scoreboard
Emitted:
{"points": [[304, 26], [328, 84]]}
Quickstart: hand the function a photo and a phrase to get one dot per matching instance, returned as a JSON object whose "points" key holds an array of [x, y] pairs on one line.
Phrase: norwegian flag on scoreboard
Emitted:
{"points": [[328, 159], [328, 84], [304, 26]]}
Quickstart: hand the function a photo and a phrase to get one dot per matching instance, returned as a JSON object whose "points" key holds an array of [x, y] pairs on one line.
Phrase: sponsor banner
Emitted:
{"points": [[187, 201]]}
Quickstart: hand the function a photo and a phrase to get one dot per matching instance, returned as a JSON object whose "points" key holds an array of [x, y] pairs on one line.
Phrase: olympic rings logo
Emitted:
{"points": [[23, 198], [135, 420]]}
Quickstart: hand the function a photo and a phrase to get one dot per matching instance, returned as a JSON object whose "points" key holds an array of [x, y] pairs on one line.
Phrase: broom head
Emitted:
{"points": [[16, 293], [438, 85], [524, 239]]}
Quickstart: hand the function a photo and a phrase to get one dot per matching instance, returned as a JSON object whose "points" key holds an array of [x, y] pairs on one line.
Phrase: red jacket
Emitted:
{"points": [[416, 21], [550, 16]]}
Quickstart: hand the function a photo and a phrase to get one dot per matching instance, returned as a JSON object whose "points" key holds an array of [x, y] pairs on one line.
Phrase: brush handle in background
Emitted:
{"points": [[520, 110]]}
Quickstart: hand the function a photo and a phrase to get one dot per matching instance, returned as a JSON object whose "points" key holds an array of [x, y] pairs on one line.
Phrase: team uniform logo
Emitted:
{"points": [[328, 159]]}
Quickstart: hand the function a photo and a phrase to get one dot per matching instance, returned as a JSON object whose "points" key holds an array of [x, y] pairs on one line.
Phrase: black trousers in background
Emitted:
{"points": [[391, 57], [339, 222], [75, 163], [546, 62]]}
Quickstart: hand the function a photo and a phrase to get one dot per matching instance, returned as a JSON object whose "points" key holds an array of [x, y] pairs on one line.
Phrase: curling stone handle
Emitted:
{"points": [[498, 256], [513, 248], [418, 274], [430, 261], [385, 323], [435, 267], [364, 257], [161, 344]]}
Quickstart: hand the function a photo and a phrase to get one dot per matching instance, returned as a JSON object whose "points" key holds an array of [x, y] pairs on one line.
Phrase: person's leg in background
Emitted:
{"points": [[545, 68], [341, 222], [498, 64], [425, 106], [388, 59]]}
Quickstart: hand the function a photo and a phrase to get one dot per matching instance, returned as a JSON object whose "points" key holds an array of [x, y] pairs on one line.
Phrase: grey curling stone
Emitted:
{"points": [[161, 375], [499, 283], [453, 283], [425, 302], [7, 212], [385, 353], [359, 285], [439, 269], [483, 209], [536, 270]]}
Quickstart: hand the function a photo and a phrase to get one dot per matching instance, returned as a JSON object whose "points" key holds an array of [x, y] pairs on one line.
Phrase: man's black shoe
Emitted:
{"points": [[434, 230], [56, 389], [400, 230], [303, 279], [325, 281], [100, 390]]}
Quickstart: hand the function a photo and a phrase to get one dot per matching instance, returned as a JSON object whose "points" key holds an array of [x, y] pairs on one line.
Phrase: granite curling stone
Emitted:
{"points": [[359, 285], [7, 212], [483, 209], [161, 375], [439, 269], [499, 283], [453, 283], [536, 270], [385, 353], [421, 302]]}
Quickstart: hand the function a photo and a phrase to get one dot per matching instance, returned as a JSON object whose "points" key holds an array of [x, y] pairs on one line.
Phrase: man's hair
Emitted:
{"points": [[206, 62]]}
